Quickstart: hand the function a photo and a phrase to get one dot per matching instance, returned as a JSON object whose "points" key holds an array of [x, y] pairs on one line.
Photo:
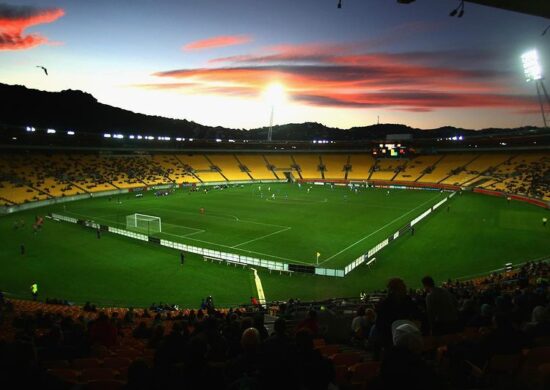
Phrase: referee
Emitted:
{"points": [[182, 258]]}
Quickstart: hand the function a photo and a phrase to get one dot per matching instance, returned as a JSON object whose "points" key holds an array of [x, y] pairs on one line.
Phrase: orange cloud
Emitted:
{"points": [[14, 20], [352, 77], [219, 41]]}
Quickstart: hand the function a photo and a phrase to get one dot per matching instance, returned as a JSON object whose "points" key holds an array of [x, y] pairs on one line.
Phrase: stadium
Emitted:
{"points": [[141, 251]]}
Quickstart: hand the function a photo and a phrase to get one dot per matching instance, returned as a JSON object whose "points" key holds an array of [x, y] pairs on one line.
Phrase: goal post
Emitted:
{"points": [[144, 223]]}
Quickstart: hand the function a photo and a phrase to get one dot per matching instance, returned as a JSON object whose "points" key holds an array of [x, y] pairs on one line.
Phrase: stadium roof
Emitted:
{"points": [[530, 7]]}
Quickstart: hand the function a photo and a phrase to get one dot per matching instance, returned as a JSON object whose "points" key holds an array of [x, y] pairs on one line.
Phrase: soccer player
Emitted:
{"points": [[272, 196], [412, 230], [182, 258], [98, 233], [22, 247], [544, 221], [34, 291], [201, 210]]}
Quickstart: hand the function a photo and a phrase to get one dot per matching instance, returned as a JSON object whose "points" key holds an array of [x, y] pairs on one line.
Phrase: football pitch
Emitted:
{"points": [[284, 223], [278, 222]]}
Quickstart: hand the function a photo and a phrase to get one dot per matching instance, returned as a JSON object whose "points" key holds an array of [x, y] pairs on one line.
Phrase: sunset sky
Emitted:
{"points": [[211, 61]]}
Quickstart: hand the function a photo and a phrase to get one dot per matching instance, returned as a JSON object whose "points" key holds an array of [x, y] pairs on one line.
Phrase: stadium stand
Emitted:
{"points": [[483, 163], [229, 166], [498, 339], [335, 166], [525, 174], [38, 176], [416, 168], [201, 167], [361, 166], [280, 162], [174, 169], [257, 166], [387, 168], [309, 165], [445, 166]]}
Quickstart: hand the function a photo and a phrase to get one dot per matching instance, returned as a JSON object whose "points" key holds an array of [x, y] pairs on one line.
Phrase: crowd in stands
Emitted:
{"points": [[525, 177], [33, 177], [491, 332]]}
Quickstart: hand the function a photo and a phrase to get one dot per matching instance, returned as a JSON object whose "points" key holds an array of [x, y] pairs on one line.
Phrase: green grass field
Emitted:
{"points": [[282, 222], [476, 235]]}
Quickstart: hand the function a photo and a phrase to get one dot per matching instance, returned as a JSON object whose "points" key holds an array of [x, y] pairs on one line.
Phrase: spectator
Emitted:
{"points": [[396, 306], [441, 308], [402, 366], [313, 371], [310, 323], [102, 331]]}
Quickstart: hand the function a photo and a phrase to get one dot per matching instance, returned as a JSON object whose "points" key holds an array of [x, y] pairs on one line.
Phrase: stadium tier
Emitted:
{"points": [[386, 168], [229, 166], [71, 346], [445, 166], [309, 166], [32, 177], [335, 166], [416, 167], [360, 166], [257, 166]]}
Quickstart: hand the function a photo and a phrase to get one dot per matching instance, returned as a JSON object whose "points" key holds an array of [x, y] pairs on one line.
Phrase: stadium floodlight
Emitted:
{"points": [[531, 65], [532, 70], [50, 131], [70, 132], [106, 135]]}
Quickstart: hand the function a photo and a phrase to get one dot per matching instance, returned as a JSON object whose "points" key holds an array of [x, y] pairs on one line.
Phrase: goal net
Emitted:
{"points": [[144, 223]]}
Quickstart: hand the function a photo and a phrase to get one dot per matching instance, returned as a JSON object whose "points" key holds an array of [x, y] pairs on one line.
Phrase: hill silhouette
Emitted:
{"points": [[77, 110]]}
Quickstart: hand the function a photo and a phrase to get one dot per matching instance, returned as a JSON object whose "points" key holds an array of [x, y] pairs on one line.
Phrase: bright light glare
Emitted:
{"points": [[531, 65], [274, 94]]}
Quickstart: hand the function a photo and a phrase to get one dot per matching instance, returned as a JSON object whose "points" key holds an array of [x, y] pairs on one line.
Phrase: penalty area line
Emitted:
{"points": [[261, 237]]}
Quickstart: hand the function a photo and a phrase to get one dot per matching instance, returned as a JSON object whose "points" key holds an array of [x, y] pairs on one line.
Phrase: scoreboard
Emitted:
{"points": [[391, 151]]}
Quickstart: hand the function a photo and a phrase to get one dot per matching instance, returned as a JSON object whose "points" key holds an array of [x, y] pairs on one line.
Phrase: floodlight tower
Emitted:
{"points": [[274, 95], [533, 72], [270, 131]]}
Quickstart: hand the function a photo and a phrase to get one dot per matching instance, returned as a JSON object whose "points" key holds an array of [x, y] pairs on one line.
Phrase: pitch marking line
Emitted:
{"points": [[376, 231], [208, 242], [267, 255], [222, 216], [261, 237], [102, 218]]}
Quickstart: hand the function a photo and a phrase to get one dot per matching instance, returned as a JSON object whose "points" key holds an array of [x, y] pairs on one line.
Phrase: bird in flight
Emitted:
{"points": [[44, 69]]}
